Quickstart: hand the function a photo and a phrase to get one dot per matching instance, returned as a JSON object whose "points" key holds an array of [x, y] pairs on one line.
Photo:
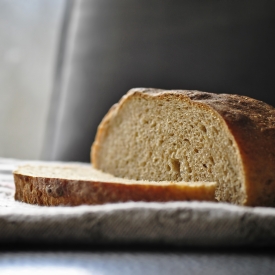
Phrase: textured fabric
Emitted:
{"points": [[176, 223]]}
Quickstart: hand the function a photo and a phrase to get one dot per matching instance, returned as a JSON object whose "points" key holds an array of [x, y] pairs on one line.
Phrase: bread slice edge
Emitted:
{"points": [[74, 185]]}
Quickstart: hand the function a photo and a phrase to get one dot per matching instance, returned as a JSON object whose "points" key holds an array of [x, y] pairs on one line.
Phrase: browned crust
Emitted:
{"points": [[55, 191], [249, 121]]}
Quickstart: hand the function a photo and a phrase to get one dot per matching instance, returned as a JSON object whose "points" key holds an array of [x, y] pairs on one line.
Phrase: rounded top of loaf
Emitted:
{"points": [[233, 108]]}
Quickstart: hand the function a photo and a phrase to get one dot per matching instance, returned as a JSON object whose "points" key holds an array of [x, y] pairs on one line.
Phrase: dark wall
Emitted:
{"points": [[111, 46]]}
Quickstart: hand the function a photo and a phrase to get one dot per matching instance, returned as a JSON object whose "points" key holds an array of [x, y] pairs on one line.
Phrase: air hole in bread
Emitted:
{"points": [[175, 165], [203, 128], [145, 121], [187, 140], [160, 141]]}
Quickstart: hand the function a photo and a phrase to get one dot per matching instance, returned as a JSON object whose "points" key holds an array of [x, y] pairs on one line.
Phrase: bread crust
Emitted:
{"points": [[250, 122], [49, 191]]}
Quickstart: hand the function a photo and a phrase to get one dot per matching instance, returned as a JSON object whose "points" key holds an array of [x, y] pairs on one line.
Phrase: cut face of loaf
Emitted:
{"points": [[75, 185], [192, 136]]}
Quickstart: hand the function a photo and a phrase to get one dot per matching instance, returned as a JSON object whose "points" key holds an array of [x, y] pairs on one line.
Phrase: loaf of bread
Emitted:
{"points": [[74, 185], [192, 136]]}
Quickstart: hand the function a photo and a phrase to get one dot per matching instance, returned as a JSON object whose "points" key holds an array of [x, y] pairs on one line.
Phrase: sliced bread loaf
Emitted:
{"points": [[74, 185], [191, 136]]}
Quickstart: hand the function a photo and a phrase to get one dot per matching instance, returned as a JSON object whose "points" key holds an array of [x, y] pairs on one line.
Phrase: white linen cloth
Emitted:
{"points": [[173, 223]]}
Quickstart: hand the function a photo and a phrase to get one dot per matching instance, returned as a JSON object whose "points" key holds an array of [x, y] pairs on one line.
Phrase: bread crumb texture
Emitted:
{"points": [[192, 136]]}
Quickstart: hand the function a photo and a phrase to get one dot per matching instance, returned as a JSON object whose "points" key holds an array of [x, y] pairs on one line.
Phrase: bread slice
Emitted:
{"points": [[74, 185], [191, 136]]}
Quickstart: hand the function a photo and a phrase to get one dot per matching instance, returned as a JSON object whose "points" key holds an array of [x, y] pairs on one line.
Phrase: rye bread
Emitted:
{"points": [[178, 135], [53, 185]]}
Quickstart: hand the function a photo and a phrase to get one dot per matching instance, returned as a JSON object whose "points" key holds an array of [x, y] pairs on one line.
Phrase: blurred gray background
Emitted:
{"points": [[29, 33], [64, 63]]}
